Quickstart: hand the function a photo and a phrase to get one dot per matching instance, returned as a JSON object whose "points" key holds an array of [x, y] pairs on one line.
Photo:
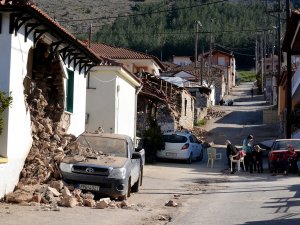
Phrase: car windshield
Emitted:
{"points": [[174, 138], [283, 145], [105, 145]]}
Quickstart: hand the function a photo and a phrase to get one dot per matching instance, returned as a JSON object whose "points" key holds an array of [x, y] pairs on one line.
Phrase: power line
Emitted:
{"points": [[143, 14], [183, 33], [235, 52]]}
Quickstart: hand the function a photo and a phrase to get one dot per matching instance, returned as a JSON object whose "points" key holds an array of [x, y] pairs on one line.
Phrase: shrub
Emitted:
{"points": [[5, 102], [201, 122]]}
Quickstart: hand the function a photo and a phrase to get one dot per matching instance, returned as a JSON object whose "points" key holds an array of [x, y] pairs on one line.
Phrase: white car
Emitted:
{"points": [[182, 146]]}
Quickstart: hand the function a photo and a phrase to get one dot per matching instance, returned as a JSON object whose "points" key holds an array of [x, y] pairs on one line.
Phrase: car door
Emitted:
{"points": [[135, 163], [193, 146], [197, 147]]}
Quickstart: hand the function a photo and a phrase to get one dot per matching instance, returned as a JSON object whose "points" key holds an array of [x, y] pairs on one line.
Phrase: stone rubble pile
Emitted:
{"points": [[214, 113], [40, 179]]}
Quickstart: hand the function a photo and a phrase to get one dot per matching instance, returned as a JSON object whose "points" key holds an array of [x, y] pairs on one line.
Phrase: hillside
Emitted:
{"points": [[167, 27]]}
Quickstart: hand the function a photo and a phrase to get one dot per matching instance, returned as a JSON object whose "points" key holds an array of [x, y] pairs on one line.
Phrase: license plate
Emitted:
{"points": [[89, 187], [171, 154]]}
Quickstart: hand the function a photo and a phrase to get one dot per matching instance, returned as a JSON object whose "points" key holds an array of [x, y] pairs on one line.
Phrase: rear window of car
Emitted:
{"points": [[283, 145], [174, 138]]}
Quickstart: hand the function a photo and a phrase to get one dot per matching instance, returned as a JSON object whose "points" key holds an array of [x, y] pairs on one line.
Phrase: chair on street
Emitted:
{"points": [[212, 155], [238, 161]]}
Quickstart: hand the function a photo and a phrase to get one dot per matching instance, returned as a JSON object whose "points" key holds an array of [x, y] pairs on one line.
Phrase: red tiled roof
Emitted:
{"points": [[41, 16], [113, 52]]}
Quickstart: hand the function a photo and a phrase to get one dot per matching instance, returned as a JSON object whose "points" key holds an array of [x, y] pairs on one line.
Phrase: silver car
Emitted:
{"points": [[182, 146], [115, 168]]}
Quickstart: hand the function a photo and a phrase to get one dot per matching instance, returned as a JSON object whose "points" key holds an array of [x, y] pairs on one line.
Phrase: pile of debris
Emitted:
{"points": [[213, 113], [200, 133], [40, 179]]}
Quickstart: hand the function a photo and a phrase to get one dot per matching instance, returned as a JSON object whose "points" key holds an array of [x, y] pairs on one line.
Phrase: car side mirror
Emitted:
{"points": [[136, 155]]}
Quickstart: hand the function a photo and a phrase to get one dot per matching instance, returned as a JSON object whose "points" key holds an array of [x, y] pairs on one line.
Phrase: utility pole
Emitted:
{"points": [[198, 23], [256, 56], [202, 65], [279, 38], [289, 79], [262, 63], [210, 49], [90, 35]]}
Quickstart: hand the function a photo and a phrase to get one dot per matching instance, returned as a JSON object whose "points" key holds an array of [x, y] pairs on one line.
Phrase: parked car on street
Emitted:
{"points": [[113, 167], [181, 145], [279, 148]]}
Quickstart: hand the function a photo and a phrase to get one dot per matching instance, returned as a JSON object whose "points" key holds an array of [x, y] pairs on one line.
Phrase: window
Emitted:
{"points": [[70, 92], [221, 61], [191, 139], [174, 138]]}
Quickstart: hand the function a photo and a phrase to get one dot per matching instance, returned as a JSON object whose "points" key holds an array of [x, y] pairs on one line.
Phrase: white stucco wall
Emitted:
{"points": [[77, 120], [125, 102], [111, 104], [100, 103], [16, 139]]}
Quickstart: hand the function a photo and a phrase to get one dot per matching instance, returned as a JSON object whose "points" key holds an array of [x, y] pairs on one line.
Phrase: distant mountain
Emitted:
{"points": [[167, 27]]}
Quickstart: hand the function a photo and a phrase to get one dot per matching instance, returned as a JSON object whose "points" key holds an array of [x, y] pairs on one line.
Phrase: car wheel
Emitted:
{"points": [[200, 157], [190, 159], [128, 192], [135, 187]]}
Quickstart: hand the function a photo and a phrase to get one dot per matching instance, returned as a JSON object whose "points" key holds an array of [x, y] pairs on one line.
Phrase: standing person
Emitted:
{"points": [[248, 148], [258, 155], [289, 160], [230, 150]]}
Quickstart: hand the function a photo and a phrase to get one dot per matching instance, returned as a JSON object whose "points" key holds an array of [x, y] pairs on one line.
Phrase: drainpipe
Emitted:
{"points": [[135, 114]]}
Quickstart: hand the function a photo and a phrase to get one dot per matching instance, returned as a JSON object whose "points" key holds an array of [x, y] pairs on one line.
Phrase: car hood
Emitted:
{"points": [[111, 161]]}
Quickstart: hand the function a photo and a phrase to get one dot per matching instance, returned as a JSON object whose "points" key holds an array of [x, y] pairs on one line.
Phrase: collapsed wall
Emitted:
{"points": [[40, 179]]}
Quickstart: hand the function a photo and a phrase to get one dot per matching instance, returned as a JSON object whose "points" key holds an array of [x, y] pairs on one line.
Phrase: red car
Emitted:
{"points": [[279, 149]]}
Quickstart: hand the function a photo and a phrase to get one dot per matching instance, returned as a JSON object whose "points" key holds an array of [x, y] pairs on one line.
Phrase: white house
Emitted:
{"points": [[182, 60], [36, 52], [115, 88], [111, 100]]}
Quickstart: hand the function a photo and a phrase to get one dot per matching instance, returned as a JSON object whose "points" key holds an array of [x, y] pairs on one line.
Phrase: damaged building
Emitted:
{"points": [[170, 105], [43, 68]]}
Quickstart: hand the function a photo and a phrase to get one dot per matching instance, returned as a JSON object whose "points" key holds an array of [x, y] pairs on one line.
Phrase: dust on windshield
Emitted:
{"points": [[105, 145]]}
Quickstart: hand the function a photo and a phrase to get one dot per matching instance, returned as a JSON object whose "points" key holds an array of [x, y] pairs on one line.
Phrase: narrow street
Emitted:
{"points": [[201, 194]]}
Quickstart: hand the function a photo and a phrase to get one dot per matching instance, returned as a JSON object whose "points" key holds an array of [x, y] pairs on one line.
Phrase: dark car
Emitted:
{"points": [[279, 148]]}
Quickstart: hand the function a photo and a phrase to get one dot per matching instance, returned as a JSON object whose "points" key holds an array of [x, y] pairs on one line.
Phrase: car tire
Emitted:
{"points": [[135, 187], [190, 159], [128, 192], [200, 157]]}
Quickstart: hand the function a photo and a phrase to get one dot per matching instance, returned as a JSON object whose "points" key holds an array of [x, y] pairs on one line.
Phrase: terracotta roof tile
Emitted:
{"points": [[37, 13], [113, 52]]}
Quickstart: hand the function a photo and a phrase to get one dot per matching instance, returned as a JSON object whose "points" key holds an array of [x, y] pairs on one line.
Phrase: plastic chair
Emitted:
{"points": [[238, 162], [212, 155]]}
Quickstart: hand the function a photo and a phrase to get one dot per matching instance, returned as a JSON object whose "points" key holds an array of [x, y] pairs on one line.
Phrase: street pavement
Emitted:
{"points": [[242, 198]]}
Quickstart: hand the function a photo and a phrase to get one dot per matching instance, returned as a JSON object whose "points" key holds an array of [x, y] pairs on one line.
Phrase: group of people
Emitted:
{"points": [[252, 154], [253, 157], [288, 161]]}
